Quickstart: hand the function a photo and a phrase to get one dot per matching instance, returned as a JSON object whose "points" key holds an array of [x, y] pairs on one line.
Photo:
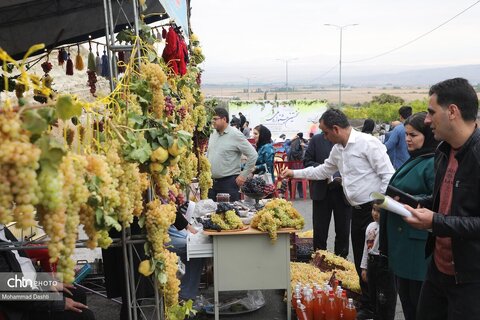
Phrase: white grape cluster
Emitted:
{"points": [[52, 209], [18, 178], [127, 176], [277, 213], [188, 167], [187, 95], [172, 286], [106, 197], [156, 78], [199, 115], [158, 219], [162, 182], [205, 177], [75, 194]]}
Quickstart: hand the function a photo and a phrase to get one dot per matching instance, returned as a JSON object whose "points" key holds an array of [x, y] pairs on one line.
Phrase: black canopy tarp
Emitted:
{"points": [[24, 23]]}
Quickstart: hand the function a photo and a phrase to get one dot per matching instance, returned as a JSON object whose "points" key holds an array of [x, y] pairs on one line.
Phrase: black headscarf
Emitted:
{"points": [[368, 126], [417, 121], [264, 135]]}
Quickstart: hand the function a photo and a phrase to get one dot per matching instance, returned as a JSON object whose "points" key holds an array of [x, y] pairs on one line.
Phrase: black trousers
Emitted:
{"points": [[321, 216], [361, 218], [381, 286], [409, 293], [225, 185], [442, 298]]}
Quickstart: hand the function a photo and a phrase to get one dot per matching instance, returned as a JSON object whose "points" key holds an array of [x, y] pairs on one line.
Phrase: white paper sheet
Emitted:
{"points": [[388, 203]]}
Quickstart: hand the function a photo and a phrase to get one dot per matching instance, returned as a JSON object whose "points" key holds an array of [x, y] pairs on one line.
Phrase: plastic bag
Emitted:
{"points": [[266, 176], [203, 207], [253, 300]]}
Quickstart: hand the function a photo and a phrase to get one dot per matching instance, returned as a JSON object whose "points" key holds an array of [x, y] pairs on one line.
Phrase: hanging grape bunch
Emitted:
{"points": [[46, 66], [92, 79], [169, 106]]}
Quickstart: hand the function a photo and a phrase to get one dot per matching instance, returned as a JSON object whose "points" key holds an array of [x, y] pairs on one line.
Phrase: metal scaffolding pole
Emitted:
{"points": [[128, 248]]}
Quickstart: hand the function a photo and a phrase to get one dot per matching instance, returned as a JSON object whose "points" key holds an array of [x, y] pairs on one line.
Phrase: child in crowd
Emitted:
{"points": [[376, 273]]}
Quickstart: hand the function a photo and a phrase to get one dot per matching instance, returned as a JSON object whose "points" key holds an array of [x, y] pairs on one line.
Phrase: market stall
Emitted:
{"points": [[67, 161]]}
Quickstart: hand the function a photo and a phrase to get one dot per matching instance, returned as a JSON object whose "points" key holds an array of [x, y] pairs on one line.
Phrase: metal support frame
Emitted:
{"points": [[111, 21], [128, 248]]}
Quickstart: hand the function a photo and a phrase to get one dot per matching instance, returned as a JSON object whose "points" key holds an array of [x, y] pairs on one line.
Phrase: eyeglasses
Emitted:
{"points": [[216, 118]]}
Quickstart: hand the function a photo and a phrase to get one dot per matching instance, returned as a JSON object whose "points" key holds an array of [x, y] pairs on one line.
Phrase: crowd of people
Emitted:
{"points": [[428, 259]]}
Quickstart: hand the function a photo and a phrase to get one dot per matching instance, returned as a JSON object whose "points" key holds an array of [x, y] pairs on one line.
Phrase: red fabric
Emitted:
{"points": [[170, 52], [443, 245], [42, 256], [182, 63]]}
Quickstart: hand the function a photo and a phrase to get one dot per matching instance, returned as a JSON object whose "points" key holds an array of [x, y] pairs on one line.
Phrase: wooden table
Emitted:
{"points": [[248, 260]]}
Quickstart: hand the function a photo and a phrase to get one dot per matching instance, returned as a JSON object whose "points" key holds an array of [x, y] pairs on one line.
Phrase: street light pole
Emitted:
{"points": [[340, 59], [248, 85], [286, 72]]}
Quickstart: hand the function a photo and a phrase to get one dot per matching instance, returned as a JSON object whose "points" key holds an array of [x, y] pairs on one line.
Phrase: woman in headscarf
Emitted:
{"points": [[368, 126], [265, 150], [404, 245]]}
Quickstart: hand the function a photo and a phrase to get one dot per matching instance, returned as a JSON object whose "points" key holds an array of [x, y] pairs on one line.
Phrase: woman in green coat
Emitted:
{"points": [[404, 245]]}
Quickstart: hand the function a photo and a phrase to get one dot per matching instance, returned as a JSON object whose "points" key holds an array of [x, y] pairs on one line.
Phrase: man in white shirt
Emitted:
{"points": [[365, 167]]}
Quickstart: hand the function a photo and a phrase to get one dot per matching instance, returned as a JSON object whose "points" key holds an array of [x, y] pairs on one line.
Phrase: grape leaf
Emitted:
{"points": [[33, 122], [52, 151], [111, 222], [137, 148], [67, 107]]}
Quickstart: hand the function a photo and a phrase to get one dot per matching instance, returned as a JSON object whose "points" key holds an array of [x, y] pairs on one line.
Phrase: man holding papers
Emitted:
{"points": [[452, 286], [365, 167]]}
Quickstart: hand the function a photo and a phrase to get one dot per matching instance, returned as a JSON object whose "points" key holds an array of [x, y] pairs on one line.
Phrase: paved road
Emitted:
{"points": [[274, 309]]}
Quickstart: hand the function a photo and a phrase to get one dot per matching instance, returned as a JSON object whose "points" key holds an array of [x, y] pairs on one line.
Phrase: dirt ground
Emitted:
{"points": [[349, 95]]}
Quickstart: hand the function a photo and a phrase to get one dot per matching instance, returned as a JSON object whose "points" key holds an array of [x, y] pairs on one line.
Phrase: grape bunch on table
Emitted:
{"points": [[257, 185]]}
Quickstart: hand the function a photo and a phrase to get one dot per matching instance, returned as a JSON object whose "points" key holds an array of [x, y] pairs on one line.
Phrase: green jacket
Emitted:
{"points": [[406, 245]]}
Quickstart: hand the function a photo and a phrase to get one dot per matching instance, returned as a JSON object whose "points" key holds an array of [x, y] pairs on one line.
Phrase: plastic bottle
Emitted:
{"points": [[309, 303], [318, 302], [83, 273], [338, 300], [330, 308], [295, 297], [349, 313], [335, 285], [343, 304], [301, 311]]}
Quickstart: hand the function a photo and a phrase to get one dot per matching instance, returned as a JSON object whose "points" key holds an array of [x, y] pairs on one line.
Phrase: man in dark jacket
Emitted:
{"points": [[242, 119], [327, 197], [452, 286]]}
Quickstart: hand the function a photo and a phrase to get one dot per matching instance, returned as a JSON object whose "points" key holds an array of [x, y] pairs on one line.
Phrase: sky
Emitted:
{"points": [[251, 39]]}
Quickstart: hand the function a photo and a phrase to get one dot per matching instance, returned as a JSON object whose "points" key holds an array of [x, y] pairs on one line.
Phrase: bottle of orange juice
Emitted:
{"points": [[349, 313], [301, 311], [296, 296], [318, 302], [330, 307]]}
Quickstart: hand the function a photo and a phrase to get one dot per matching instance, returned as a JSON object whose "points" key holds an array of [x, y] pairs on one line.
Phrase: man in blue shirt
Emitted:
{"points": [[396, 144]]}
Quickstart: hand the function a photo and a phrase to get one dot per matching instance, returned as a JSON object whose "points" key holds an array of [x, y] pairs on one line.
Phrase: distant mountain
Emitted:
{"points": [[417, 77]]}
